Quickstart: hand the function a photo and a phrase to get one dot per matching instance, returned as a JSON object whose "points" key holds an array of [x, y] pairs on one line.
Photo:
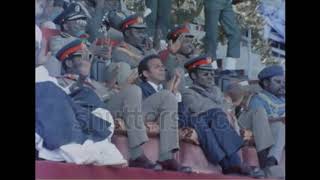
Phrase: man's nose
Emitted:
{"points": [[211, 75], [191, 46], [84, 23]]}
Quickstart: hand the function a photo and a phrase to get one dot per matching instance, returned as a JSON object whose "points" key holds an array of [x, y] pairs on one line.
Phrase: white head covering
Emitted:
{"points": [[49, 25], [38, 36], [243, 83]]}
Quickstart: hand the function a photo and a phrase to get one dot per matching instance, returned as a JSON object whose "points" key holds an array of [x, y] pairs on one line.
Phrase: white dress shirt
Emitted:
{"points": [[42, 75]]}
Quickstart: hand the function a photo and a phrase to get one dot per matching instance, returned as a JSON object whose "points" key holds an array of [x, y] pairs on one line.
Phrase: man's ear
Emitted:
{"points": [[193, 75], [64, 26], [68, 63], [145, 74], [266, 83], [127, 32]]}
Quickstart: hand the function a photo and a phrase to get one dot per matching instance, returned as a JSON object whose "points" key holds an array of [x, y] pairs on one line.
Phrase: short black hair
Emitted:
{"points": [[262, 80], [64, 65], [143, 65], [62, 27], [194, 71], [124, 32]]}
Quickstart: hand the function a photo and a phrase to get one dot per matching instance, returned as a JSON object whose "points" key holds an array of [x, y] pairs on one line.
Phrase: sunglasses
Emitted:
{"points": [[84, 55]]}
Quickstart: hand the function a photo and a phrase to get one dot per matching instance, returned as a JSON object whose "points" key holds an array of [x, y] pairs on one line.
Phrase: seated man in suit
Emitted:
{"points": [[205, 112], [136, 44], [161, 104], [264, 114]]}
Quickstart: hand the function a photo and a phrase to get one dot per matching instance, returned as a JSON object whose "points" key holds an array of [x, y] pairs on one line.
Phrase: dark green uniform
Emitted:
{"points": [[221, 11]]}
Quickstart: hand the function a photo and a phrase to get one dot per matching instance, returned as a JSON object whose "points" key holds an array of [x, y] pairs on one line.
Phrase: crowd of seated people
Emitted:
{"points": [[96, 63]]}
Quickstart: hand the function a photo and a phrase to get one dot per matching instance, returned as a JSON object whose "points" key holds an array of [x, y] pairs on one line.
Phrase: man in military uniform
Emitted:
{"points": [[205, 112], [73, 60], [180, 50], [181, 47], [65, 124], [264, 115], [136, 43], [221, 11], [73, 23], [76, 61]]}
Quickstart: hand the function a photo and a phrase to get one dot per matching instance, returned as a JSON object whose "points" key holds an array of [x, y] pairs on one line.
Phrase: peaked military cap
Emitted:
{"points": [[177, 31], [73, 12], [200, 62]]}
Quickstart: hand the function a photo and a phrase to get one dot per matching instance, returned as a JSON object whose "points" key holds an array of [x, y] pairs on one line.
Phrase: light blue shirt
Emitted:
{"points": [[274, 106]]}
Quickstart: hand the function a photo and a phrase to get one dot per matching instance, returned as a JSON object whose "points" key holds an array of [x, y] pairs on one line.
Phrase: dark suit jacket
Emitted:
{"points": [[147, 89]]}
